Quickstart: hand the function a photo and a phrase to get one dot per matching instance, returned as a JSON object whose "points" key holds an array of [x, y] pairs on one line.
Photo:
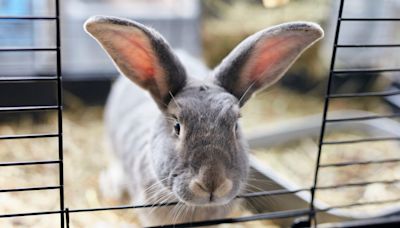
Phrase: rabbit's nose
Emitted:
{"points": [[208, 189]]}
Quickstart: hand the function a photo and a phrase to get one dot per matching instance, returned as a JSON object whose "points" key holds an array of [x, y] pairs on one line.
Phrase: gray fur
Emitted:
{"points": [[210, 147]]}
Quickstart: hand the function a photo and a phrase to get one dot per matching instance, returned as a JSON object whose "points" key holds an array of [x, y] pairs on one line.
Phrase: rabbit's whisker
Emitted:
{"points": [[177, 214], [269, 182], [193, 213], [172, 212], [246, 91], [160, 200], [250, 187], [250, 204], [156, 197], [165, 199], [186, 211], [182, 212], [156, 186], [152, 185], [173, 98]]}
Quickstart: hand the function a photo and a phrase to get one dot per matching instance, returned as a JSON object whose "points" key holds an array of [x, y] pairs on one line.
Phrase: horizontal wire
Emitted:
{"points": [[369, 19], [29, 163], [272, 192], [260, 216], [27, 79], [30, 189], [366, 45], [360, 204], [361, 140], [30, 214], [367, 94], [27, 49], [342, 164], [28, 136], [122, 207], [362, 118], [356, 184], [28, 108], [27, 18], [357, 71], [391, 221]]}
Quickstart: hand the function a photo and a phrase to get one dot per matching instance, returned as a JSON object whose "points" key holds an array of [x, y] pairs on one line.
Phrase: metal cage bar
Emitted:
{"points": [[59, 112], [30, 189], [22, 163], [26, 18], [27, 79], [311, 215], [388, 222], [312, 220], [28, 108], [58, 107], [361, 118], [361, 140], [368, 71], [29, 136]]}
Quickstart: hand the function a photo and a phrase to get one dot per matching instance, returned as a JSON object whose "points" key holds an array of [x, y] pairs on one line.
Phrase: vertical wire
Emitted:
{"points": [[67, 216], [59, 108], [312, 216]]}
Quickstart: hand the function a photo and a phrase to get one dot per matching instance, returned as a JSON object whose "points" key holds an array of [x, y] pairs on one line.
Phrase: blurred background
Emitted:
{"points": [[283, 121]]}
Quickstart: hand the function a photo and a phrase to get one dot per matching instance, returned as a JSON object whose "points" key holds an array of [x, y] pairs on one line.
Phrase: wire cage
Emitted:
{"points": [[304, 217]]}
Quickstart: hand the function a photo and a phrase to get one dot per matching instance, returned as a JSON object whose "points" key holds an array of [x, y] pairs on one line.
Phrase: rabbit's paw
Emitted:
{"points": [[112, 182]]}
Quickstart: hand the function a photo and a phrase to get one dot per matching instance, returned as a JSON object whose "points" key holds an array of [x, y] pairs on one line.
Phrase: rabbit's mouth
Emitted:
{"points": [[196, 194]]}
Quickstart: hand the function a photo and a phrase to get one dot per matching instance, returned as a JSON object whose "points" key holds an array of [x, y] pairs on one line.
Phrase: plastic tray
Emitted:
{"points": [[295, 130]]}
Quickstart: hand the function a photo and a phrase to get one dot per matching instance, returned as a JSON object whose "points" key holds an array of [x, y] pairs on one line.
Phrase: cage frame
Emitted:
{"points": [[307, 215]]}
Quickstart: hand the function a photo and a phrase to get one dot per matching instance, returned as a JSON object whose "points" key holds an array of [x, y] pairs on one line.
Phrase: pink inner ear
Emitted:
{"points": [[136, 50], [268, 56]]}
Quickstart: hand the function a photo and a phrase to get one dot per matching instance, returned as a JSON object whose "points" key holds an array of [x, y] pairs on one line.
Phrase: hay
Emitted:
{"points": [[86, 154], [295, 162]]}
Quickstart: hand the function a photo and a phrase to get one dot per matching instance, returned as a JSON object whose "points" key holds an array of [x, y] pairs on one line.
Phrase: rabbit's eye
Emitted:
{"points": [[236, 126], [177, 128]]}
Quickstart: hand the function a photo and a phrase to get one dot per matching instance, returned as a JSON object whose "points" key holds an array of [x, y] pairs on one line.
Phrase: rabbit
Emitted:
{"points": [[182, 141]]}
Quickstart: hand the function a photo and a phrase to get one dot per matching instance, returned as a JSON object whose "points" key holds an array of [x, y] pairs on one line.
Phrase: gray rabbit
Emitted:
{"points": [[183, 142]]}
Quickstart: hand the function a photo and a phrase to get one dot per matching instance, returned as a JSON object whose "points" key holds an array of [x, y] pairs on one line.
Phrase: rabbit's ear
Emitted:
{"points": [[141, 54], [262, 59]]}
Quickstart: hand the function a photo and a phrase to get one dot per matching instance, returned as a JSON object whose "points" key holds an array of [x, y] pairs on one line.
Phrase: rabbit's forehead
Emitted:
{"points": [[204, 101]]}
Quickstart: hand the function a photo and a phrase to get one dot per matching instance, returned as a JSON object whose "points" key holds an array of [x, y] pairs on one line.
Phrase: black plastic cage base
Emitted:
{"points": [[92, 92]]}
